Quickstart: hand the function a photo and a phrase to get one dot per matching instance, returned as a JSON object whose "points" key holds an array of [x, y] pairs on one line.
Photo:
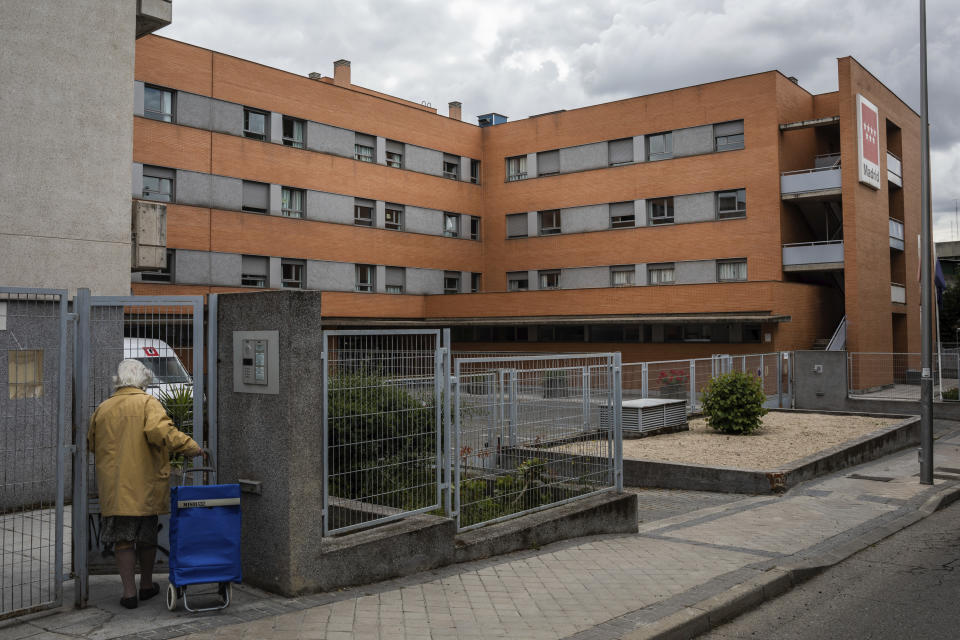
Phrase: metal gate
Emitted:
{"points": [[33, 355], [166, 333], [383, 425]]}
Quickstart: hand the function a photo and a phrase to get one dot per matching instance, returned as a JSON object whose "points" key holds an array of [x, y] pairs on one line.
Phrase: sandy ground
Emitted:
{"points": [[785, 437]]}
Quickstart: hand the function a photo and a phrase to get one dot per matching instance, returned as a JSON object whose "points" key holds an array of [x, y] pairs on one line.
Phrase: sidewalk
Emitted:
{"points": [[696, 559]]}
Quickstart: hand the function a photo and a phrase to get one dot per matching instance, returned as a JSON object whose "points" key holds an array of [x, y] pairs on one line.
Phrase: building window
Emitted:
{"points": [[394, 154], [291, 202], [661, 210], [451, 167], [516, 168], [476, 280], [732, 204], [395, 279], [160, 275], [474, 227], [620, 152], [475, 171], [255, 123], [451, 225], [731, 270], [364, 148], [158, 103], [293, 132], [366, 274], [363, 212], [728, 135], [549, 222], [291, 274], [660, 146], [256, 197], [24, 374], [549, 279], [622, 215], [451, 282], [518, 281], [158, 183], [517, 225], [548, 163], [622, 275], [660, 273], [253, 271], [393, 217]]}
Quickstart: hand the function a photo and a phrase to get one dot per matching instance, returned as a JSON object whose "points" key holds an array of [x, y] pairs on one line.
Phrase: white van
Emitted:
{"points": [[169, 374]]}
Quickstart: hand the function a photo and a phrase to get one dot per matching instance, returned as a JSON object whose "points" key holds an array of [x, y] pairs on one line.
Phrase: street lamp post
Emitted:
{"points": [[926, 286]]}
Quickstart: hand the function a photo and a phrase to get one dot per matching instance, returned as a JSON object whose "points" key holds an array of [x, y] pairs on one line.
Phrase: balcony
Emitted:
{"points": [[894, 170], [813, 256], [898, 293], [896, 234], [821, 181]]}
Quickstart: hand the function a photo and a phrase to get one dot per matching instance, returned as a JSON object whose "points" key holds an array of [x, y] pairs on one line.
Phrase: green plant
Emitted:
{"points": [[951, 394], [733, 403], [178, 403]]}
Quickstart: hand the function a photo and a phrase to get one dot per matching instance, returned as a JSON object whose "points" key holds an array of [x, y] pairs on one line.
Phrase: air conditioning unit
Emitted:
{"points": [[148, 237]]}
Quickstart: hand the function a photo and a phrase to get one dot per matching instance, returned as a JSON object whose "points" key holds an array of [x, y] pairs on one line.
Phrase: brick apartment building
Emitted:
{"points": [[728, 217]]}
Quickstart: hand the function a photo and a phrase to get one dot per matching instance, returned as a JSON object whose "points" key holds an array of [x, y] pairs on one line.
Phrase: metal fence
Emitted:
{"points": [[686, 379], [382, 426], [33, 354], [896, 376], [532, 432]]}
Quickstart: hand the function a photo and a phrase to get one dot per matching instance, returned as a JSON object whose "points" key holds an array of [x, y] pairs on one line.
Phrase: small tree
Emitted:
{"points": [[733, 403]]}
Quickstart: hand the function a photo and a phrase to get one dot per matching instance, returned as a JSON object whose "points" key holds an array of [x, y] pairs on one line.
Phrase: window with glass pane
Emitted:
{"points": [[451, 225], [732, 270], [517, 168], [393, 217], [622, 276], [474, 228], [156, 188], [158, 103], [291, 202], [24, 373], [451, 167], [475, 171], [451, 282], [255, 124], [728, 135], [363, 214], [660, 146], [365, 276], [293, 132], [475, 281], [291, 274], [549, 222], [660, 273], [732, 204], [394, 159], [395, 278], [661, 210], [518, 281], [363, 153], [550, 279], [622, 215]]}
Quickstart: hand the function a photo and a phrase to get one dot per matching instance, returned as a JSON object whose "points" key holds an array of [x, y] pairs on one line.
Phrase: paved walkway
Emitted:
{"points": [[699, 547]]}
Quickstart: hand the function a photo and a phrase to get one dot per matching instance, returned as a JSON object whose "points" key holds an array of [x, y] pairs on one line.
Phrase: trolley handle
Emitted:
{"points": [[184, 472]]}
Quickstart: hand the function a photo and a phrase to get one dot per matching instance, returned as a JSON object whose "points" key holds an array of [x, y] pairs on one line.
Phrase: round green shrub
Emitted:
{"points": [[733, 403]]}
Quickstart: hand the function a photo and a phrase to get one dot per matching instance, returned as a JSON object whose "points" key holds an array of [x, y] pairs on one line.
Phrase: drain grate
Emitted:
{"points": [[857, 476]]}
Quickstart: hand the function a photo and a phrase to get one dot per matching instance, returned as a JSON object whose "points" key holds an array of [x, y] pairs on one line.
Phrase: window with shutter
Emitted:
{"points": [[548, 162], [256, 196], [517, 225], [620, 151]]}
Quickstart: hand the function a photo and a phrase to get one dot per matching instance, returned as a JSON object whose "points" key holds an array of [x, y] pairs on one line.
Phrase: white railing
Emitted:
{"points": [[894, 169], [898, 293], [799, 253], [818, 179], [838, 341]]}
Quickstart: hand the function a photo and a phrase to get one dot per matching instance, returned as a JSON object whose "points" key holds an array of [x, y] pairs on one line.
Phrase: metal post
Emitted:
{"points": [[212, 339], [780, 379], [61, 447], [514, 401], [198, 353], [585, 391], [618, 421], [693, 385], [456, 448], [324, 437], [451, 386], [81, 389], [644, 381], [926, 293]]}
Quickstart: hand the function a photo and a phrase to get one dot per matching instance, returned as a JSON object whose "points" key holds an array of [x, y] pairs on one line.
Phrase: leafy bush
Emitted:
{"points": [[178, 403], [951, 394], [733, 403]]}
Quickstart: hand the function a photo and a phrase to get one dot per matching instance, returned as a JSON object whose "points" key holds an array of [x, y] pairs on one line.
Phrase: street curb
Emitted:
{"points": [[700, 617]]}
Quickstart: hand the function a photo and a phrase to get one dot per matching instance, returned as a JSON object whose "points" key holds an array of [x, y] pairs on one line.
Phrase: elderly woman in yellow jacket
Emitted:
{"points": [[132, 438]]}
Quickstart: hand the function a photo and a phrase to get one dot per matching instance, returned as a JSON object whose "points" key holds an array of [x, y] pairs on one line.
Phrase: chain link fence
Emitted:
{"points": [[896, 376]]}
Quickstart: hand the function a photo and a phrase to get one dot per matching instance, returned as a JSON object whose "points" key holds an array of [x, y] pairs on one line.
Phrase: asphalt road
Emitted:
{"points": [[904, 587]]}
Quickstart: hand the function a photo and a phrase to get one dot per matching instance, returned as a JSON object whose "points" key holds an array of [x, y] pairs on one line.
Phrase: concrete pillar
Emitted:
{"points": [[275, 273], [136, 182], [379, 214], [276, 128], [531, 165], [138, 98], [640, 213], [464, 169], [533, 224], [380, 152], [380, 278], [276, 200], [639, 152]]}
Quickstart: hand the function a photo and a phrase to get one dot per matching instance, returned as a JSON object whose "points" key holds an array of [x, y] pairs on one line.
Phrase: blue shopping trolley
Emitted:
{"points": [[204, 540]]}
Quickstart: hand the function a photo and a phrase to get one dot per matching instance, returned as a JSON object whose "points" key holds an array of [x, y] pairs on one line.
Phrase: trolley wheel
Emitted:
{"points": [[171, 597], [225, 590]]}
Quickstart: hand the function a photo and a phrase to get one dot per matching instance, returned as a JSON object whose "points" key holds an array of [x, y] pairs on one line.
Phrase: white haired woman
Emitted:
{"points": [[132, 438]]}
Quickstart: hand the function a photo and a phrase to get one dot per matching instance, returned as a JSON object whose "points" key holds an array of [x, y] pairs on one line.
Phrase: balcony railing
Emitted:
{"points": [[896, 234], [898, 293], [805, 181], [894, 170], [800, 254]]}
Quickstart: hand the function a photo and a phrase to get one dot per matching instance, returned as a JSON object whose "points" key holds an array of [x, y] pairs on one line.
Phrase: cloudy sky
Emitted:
{"points": [[525, 57]]}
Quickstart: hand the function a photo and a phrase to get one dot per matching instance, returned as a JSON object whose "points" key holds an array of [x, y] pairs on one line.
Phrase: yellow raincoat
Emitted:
{"points": [[132, 438]]}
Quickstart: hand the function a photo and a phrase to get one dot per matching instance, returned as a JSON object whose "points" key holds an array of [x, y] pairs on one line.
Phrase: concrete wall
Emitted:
{"points": [[206, 190], [694, 271], [327, 139], [594, 217], [583, 157], [423, 160], [585, 278], [693, 141], [329, 207], [694, 207], [420, 220], [66, 160], [424, 281]]}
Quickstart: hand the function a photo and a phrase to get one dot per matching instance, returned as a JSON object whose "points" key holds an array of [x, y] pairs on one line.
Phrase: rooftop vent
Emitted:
{"points": [[313, 75], [341, 73], [793, 79], [490, 119]]}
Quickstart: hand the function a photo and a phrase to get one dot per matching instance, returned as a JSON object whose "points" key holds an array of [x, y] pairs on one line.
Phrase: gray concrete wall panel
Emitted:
{"points": [[641, 277], [423, 160], [275, 272], [694, 207], [136, 180], [275, 199], [639, 154], [640, 212], [532, 165], [533, 223], [138, 98], [193, 188], [329, 207], [693, 141], [225, 269], [327, 139], [333, 276], [226, 117], [583, 157], [585, 278], [226, 193], [594, 217], [192, 267], [695, 271], [195, 111], [424, 281], [381, 150], [276, 128], [421, 220]]}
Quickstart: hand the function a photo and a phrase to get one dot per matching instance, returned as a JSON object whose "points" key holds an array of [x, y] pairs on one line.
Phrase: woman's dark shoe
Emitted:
{"points": [[129, 603], [146, 594]]}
